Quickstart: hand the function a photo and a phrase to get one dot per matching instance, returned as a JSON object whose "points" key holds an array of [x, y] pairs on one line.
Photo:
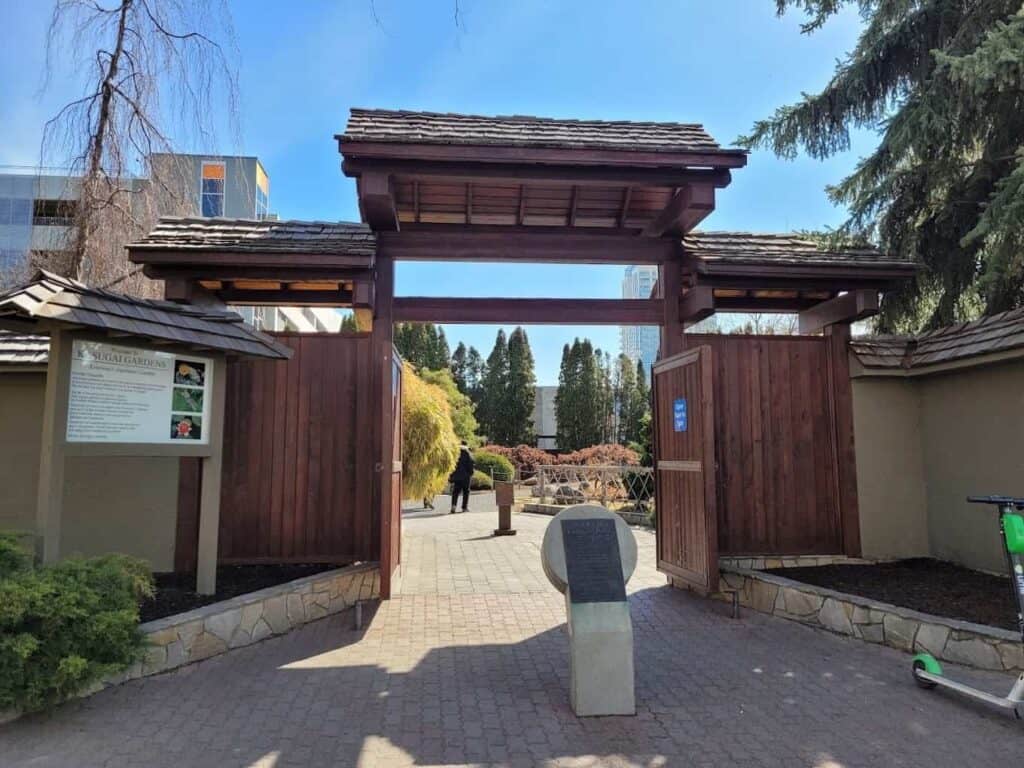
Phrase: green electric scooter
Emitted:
{"points": [[928, 672]]}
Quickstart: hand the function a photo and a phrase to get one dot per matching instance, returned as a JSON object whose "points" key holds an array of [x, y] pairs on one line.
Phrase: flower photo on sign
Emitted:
{"points": [[187, 400], [186, 426], [189, 373]]}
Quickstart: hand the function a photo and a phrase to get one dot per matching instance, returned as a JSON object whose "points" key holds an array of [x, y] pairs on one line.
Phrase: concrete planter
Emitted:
{"points": [[189, 637], [960, 642]]}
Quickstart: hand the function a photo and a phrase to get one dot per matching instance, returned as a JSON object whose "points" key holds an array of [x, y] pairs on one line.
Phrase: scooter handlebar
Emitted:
{"points": [[1001, 501]]}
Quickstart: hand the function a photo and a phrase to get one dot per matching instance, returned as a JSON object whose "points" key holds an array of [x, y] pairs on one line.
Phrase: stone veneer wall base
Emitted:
{"points": [[871, 621], [186, 638]]}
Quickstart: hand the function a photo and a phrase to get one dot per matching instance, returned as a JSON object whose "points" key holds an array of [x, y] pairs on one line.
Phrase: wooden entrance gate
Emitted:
{"points": [[763, 462], [684, 450]]}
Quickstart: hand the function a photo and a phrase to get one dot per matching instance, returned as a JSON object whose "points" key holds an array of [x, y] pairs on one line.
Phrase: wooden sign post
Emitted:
{"points": [[130, 398]]}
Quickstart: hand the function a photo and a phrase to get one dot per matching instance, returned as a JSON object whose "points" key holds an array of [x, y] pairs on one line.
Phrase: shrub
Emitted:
{"points": [[609, 454], [66, 626], [481, 482], [491, 464], [525, 458], [429, 445]]}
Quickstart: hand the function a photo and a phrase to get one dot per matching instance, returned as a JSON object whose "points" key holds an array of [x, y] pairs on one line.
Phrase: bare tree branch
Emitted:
{"points": [[159, 75]]}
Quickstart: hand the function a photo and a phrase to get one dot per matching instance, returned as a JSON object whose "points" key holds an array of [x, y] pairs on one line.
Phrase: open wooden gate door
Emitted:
{"points": [[684, 454], [391, 524]]}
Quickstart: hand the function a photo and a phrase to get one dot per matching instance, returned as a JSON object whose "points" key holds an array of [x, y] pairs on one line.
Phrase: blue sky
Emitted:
{"points": [[302, 65]]}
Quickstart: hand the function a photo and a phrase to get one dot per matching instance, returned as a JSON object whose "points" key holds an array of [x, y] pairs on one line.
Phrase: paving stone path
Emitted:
{"points": [[468, 666]]}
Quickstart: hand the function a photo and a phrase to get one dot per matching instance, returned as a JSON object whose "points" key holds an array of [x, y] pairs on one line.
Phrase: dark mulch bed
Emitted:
{"points": [[175, 593], [922, 584]]}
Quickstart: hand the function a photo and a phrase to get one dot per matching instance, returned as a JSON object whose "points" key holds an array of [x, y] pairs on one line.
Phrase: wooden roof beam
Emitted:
{"points": [[286, 298], [696, 304], [377, 202], [560, 247], [517, 173], [847, 308], [429, 309], [690, 205]]}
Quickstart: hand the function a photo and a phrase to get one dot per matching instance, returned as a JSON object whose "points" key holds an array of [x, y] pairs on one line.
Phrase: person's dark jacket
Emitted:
{"points": [[464, 468]]}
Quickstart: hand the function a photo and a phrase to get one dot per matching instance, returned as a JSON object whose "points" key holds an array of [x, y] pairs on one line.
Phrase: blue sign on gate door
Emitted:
{"points": [[679, 414]]}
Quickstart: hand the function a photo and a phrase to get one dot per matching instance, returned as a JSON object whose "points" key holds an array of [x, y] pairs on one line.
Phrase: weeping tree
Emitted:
{"points": [[429, 444], [943, 82], [154, 74]]}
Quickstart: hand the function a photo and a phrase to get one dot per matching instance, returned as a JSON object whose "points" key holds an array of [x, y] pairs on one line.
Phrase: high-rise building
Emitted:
{"points": [[640, 342], [37, 211]]}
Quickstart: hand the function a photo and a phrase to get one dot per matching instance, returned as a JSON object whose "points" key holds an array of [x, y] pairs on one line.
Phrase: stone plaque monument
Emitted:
{"points": [[589, 554]]}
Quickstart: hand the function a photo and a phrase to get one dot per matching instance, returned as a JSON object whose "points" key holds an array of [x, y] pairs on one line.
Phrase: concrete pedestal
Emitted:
{"points": [[601, 659], [600, 633]]}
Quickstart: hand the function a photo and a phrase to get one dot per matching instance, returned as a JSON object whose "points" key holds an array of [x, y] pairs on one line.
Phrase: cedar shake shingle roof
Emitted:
{"points": [[265, 236], [54, 299], [997, 333], [754, 248], [383, 125], [23, 349]]}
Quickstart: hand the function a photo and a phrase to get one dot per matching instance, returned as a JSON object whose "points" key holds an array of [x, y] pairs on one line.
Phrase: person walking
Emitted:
{"points": [[461, 477]]}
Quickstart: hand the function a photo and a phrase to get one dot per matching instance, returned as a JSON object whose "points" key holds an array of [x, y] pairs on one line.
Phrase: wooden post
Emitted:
{"points": [[50, 491], [841, 401], [383, 338], [670, 282], [209, 499]]}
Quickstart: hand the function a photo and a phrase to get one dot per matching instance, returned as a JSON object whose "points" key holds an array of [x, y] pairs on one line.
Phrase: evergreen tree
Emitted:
{"points": [[627, 401], [522, 390], [458, 368], [492, 412], [565, 398], [348, 324], [476, 369], [422, 345], [944, 81], [581, 411]]}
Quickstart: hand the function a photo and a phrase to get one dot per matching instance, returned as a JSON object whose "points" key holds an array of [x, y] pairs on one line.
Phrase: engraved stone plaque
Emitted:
{"points": [[592, 560]]}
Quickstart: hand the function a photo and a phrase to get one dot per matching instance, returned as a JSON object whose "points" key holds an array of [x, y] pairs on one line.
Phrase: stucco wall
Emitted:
{"points": [[973, 443], [21, 417], [890, 475], [124, 505]]}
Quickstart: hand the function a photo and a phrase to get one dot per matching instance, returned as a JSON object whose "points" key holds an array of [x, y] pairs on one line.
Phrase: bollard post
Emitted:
{"points": [[504, 494]]}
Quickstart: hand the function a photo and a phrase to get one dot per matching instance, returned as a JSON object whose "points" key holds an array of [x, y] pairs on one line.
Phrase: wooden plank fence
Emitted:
{"points": [[298, 456], [780, 414]]}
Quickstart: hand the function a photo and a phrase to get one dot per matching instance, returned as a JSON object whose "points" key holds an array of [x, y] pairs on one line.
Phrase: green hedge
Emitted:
{"points": [[66, 626], [481, 482], [491, 464]]}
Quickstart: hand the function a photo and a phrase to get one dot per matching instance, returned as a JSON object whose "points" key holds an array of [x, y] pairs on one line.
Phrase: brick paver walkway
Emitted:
{"points": [[468, 665]]}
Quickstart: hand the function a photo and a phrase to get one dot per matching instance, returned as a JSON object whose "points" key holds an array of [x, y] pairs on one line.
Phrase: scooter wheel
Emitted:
{"points": [[926, 684]]}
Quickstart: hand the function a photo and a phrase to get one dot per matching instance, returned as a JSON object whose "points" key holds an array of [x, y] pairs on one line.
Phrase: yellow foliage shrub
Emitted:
{"points": [[429, 445]]}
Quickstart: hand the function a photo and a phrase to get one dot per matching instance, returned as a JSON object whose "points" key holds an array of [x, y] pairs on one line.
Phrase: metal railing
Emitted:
{"points": [[610, 486]]}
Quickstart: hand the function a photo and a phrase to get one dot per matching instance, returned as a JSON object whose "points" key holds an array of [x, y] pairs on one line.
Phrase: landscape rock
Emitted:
{"points": [[899, 632], [276, 614], [251, 613], [261, 631], [223, 625], [296, 609], [931, 638], [800, 603], [205, 646], [1012, 655], [976, 653], [872, 633], [176, 655], [833, 616]]}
